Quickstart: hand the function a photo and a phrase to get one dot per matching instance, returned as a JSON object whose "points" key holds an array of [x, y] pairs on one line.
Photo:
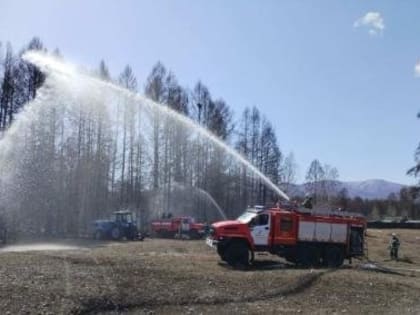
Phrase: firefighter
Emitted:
{"points": [[394, 245], [206, 228], [307, 203], [183, 228]]}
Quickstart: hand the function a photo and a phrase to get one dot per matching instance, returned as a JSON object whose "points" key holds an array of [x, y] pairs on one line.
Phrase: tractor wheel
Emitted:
{"points": [[116, 234], [98, 235], [238, 254], [133, 235], [334, 257]]}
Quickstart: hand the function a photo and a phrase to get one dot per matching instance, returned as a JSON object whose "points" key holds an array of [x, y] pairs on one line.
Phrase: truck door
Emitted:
{"points": [[260, 229], [356, 241]]}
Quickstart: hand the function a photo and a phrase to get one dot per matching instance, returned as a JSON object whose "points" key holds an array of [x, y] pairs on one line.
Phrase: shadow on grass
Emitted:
{"points": [[267, 265], [106, 304], [259, 265]]}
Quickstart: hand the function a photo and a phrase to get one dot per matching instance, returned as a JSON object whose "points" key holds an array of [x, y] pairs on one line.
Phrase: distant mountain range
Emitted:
{"points": [[367, 189]]}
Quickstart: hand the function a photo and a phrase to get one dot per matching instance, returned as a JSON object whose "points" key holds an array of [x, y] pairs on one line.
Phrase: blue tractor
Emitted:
{"points": [[121, 225]]}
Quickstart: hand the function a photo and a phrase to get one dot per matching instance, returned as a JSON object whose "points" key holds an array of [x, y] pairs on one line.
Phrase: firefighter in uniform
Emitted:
{"points": [[184, 228], [394, 245], [307, 203]]}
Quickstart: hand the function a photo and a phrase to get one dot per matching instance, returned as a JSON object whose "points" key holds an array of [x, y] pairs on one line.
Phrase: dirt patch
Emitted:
{"points": [[174, 276]]}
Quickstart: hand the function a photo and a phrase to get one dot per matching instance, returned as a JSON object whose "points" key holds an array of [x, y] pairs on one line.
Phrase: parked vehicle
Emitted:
{"points": [[184, 226], [121, 225], [303, 237]]}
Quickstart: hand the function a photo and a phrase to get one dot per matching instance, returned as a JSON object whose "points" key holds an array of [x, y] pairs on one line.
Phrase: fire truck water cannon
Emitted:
{"points": [[302, 236]]}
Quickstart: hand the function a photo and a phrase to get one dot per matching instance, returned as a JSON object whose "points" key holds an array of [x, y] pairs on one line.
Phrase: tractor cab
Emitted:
{"points": [[122, 217]]}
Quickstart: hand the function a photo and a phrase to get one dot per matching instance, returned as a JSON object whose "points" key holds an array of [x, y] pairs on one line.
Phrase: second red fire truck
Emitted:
{"points": [[184, 226]]}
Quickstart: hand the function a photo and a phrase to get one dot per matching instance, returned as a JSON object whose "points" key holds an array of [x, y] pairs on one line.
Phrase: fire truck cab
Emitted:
{"points": [[303, 237]]}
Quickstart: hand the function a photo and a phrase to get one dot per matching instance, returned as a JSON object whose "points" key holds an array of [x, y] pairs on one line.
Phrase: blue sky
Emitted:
{"points": [[337, 84]]}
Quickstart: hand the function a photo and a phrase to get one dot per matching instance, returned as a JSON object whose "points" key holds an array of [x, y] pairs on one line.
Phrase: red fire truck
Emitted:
{"points": [[178, 226], [302, 236]]}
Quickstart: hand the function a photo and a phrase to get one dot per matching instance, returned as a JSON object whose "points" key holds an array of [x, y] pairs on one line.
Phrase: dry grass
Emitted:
{"points": [[171, 276]]}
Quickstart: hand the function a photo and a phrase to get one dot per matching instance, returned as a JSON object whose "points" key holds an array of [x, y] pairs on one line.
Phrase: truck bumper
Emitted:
{"points": [[211, 242]]}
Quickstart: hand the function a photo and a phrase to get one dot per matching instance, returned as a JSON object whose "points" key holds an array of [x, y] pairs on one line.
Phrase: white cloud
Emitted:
{"points": [[417, 69], [373, 21]]}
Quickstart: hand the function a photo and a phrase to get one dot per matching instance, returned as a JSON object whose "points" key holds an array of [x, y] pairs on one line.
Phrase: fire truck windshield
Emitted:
{"points": [[247, 216]]}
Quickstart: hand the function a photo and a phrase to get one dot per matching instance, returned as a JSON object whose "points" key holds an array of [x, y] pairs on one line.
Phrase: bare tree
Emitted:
{"points": [[128, 81], [8, 89], [330, 182], [314, 180], [156, 90], [288, 174]]}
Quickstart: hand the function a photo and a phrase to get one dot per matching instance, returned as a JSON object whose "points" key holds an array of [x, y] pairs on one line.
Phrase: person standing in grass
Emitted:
{"points": [[394, 245], [307, 203]]}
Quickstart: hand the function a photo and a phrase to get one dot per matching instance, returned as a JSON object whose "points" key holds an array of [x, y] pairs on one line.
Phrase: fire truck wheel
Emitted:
{"points": [[291, 258], [237, 254], [334, 256], [221, 251], [308, 256]]}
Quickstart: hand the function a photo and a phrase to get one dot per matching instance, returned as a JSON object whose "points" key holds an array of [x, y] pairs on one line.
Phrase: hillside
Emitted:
{"points": [[373, 188]]}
